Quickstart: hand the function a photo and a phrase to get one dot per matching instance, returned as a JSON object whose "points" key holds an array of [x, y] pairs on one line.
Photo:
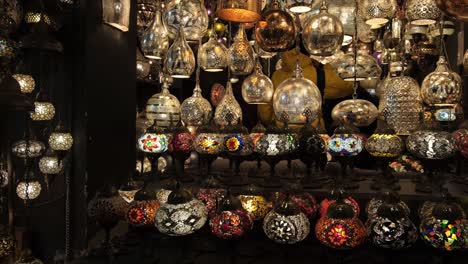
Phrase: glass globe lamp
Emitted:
{"points": [[142, 210], [442, 86], [387, 198], [377, 12], [230, 221], [43, 111], [345, 11], [163, 107], [216, 94], [241, 54], [7, 244], [28, 148], [323, 34], [28, 189], [50, 164], [213, 55], [247, 11], [274, 143], [155, 39], [445, 228], [26, 82], [305, 201], [191, 15], [339, 229], [257, 88], [402, 104], [180, 60], [286, 224], [296, 95], [209, 142], [365, 67], [362, 111], [237, 141], [422, 12], [228, 107], [431, 144], [153, 141], [390, 227], [254, 203], [196, 110], [211, 193], [276, 31], [182, 214]]}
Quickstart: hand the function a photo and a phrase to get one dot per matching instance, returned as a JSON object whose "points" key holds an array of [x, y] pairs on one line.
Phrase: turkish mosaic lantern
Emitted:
{"points": [[304, 200], [211, 193], [461, 141], [153, 141], [254, 202], [182, 214], [344, 142], [163, 194], [431, 144], [142, 210], [231, 221], [384, 143], [208, 141], [275, 142], [257, 132], [7, 244], [238, 142], [339, 228], [376, 202], [446, 228], [286, 224], [390, 226]]}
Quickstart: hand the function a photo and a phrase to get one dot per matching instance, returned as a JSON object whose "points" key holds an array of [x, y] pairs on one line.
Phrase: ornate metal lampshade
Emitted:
{"points": [[377, 12], [228, 107], [213, 55], [191, 15], [26, 82], [422, 12], [246, 11], [241, 54]]}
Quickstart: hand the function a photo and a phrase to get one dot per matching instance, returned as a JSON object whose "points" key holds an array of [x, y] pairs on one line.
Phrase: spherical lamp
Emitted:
{"points": [[363, 67], [196, 110], [182, 214], [28, 189], [28, 148], [276, 29], [254, 203], [60, 139], [213, 55], [50, 164], [191, 15], [442, 86], [257, 88], [153, 141], [296, 95], [43, 111], [142, 210], [361, 112], [323, 33], [286, 224]]}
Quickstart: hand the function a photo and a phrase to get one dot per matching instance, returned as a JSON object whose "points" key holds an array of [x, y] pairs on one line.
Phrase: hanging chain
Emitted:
{"points": [[229, 40], [355, 87], [67, 216]]}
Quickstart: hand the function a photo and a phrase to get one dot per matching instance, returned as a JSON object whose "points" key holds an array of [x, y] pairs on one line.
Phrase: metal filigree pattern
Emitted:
{"points": [[286, 229], [422, 12], [385, 145], [241, 55], [377, 12], [402, 106], [181, 219], [190, 14], [28, 149]]}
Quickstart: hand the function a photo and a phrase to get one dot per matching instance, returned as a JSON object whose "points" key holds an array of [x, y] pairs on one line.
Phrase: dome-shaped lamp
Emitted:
{"points": [[377, 12], [230, 221], [163, 106], [28, 148], [180, 60], [155, 39], [213, 55], [257, 88], [286, 224], [442, 86], [26, 82], [364, 67], [296, 95], [50, 163], [323, 33], [182, 214], [247, 11], [60, 139], [191, 15], [422, 12], [241, 59], [276, 30], [196, 111], [336, 195]]}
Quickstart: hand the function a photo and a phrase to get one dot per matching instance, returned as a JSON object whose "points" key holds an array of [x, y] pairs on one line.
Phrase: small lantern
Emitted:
{"points": [[254, 202], [142, 210]]}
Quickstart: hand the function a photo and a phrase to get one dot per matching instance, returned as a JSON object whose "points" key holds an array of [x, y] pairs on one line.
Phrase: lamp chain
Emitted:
{"points": [[355, 52]]}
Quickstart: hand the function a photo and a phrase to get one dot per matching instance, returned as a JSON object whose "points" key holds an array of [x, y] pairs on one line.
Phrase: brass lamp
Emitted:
{"points": [[246, 11]]}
